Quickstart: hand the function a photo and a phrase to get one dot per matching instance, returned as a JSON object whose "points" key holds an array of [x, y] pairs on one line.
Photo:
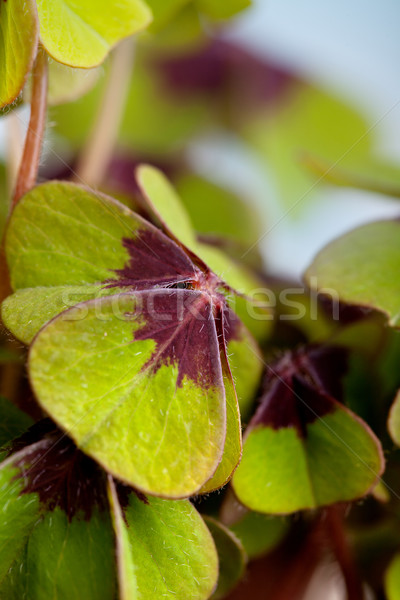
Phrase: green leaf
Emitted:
{"points": [[185, 30], [80, 33], [168, 209], [232, 557], [394, 420], [91, 378], [392, 579], [362, 268], [13, 422], [164, 550], [338, 459], [72, 237], [221, 9], [371, 175], [19, 33], [246, 364], [219, 212], [63, 234], [260, 533], [164, 11], [66, 84], [26, 311], [52, 272], [66, 559], [165, 205], [233, 440], [308, 122], [19, 512]]}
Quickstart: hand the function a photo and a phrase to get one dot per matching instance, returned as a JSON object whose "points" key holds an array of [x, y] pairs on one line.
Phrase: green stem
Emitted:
{"points": [[97, 152], [33, 143]]}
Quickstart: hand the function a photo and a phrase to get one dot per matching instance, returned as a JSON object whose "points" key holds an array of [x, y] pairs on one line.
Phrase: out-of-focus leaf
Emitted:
{"points": [[154, 120], [394, 420], [80, 33], [371, 175], [165, 205], [184, 31], [13, 422], [260, 533], [392, 579], [66, 84], [221, 9], [164, 11], [19, 33], [308, 122], [362, 268], [164, 549], [232, 558], [381, 493], [218, 212], [9, 356]]}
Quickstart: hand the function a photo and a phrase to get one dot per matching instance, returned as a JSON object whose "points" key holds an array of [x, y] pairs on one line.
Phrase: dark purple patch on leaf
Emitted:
{"points": [[181, 322], [292, 405], [327, 365], [59, 473], [231, 324], [154, 260], [302, 387], [177, 304]]}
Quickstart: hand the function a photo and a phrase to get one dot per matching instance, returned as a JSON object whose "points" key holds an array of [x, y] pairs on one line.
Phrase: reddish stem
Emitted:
{"points": [[343, 553], [33, 143], [296, 580]]}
